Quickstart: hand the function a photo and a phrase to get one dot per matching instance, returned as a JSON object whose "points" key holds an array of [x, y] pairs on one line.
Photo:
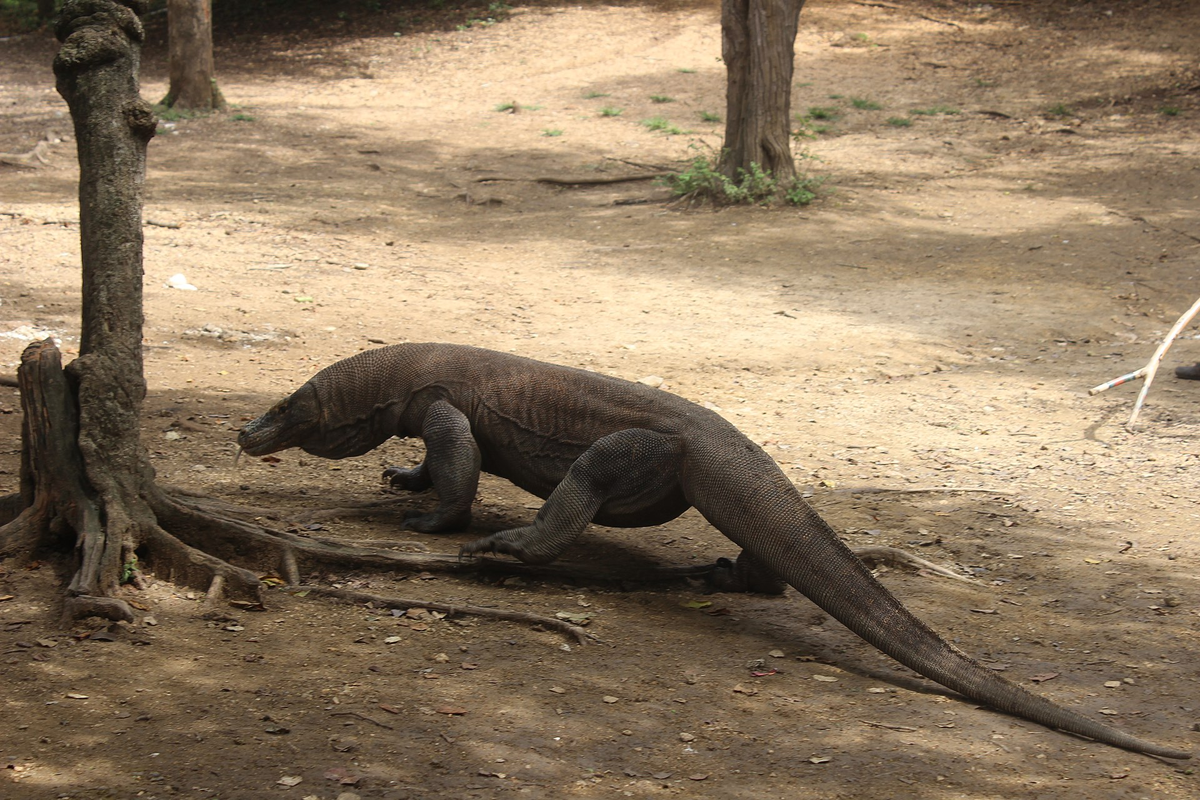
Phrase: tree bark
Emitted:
{"points": [[193, 82], [758, 46]]}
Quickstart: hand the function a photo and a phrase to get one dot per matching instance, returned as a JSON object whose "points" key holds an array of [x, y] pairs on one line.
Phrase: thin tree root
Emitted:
{"points": [[922, 490], [579, 634], [895, 557], [31, 160], [580, 181]]}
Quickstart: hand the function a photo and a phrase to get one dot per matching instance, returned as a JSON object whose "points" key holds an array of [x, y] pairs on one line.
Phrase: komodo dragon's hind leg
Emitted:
{"points": [[625, 471]]}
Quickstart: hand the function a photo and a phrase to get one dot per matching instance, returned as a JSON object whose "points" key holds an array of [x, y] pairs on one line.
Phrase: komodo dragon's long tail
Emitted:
{"points": [[786, 534]]}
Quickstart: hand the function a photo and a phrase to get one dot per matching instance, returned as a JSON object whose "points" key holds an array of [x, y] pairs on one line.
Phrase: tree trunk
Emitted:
{"points": [[45, 9], [757, 43], [84, 473], [193, 79]]}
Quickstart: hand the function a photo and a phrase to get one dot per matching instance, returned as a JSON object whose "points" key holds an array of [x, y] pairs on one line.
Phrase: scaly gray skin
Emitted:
{"points": [[621, 454]]}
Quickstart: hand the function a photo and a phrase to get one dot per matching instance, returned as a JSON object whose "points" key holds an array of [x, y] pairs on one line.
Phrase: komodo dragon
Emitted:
{"points": [[622, 454]]}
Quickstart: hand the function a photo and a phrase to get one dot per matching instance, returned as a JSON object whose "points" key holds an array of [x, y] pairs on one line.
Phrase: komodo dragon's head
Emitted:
{"points": [[294, 421]]}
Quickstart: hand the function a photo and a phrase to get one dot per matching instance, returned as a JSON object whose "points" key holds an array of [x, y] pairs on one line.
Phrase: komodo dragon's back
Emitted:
{"points": [[604, 449]]}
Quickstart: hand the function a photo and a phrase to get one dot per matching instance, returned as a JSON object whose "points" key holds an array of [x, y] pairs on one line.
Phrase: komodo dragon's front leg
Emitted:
{"points": [[623, 472], [451, 467]]}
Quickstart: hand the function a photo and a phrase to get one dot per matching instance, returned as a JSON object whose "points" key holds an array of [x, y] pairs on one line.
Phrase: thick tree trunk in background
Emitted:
{"points": [[190, 55], [758, 46]]}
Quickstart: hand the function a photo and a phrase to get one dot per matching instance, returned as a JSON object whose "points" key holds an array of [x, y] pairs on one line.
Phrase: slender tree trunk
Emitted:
{"points": [[193, 79], [758, 46]]}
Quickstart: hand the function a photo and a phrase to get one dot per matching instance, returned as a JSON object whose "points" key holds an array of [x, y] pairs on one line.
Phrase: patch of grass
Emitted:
{"points": [[709, 116], [661, 98], [171, 114], [835, 96], [899, 122], [702, 181], [661, 125], [1059, 110], [594, 95], [552, 132], [983, 83], [687, 70], [513, 106], [611, 111], [863, 104], [1170, 111], [827, 113], [242, 117], [934, 111]]}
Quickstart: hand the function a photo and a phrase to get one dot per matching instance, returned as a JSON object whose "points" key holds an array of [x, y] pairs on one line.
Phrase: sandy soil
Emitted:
{"points": [[933, 321]]}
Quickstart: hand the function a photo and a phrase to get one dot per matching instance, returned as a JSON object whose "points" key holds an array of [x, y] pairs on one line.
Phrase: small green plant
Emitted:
{"points": [[827, 113], [686, 70], [836, 96], [702, 180], [1059, 110], [611, 111], [242, 117], [511, 106], [129, 569], [661, 98], [983, 83], [933, 111], [709, 116], [899, 122], [803, 191], [862, 38], [1170, 111], [552, 132], [863, 104], [594, 95], [661, 125]]}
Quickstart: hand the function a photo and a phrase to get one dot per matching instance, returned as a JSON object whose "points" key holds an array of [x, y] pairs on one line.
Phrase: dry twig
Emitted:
{"points": [[1151, 368], [382, 601]]}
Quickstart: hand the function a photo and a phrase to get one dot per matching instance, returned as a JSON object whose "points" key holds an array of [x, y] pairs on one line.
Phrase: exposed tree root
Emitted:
{"points": [[580, 181], [31, 160], [895, 557], [381, 601]]}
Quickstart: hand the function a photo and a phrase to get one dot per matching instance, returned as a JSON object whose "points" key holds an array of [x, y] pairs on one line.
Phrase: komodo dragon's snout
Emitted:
{"points": [[292, 422]]}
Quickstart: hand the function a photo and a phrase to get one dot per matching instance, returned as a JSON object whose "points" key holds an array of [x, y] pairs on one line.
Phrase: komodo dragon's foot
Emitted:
{"points": [[412, 479], [519, 542], [744, 575], [1191, 373]]}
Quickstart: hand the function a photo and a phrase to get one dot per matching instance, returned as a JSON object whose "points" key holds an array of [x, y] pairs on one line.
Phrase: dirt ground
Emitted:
{"points": [[933, 321]]}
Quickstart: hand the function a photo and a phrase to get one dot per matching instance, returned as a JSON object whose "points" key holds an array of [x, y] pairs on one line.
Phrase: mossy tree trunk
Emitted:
{"points": [[758, 40]]}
